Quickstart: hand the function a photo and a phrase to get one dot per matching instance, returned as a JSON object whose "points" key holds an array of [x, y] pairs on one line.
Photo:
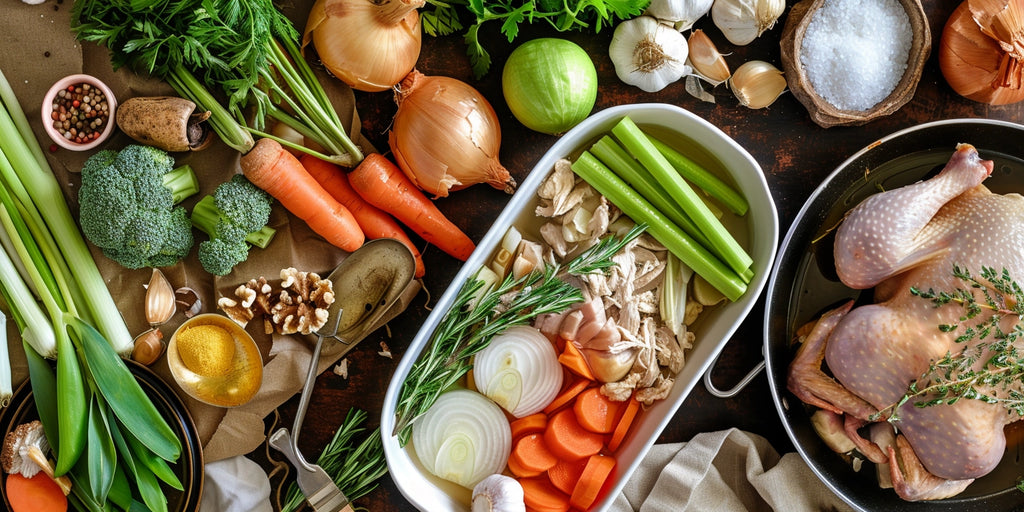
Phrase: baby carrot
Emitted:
{"points": [[275, 170], [374, 222], [382, 184]]}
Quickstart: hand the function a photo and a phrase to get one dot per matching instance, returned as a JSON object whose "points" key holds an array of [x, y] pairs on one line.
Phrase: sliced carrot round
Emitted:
{"points": [[568, 440]]}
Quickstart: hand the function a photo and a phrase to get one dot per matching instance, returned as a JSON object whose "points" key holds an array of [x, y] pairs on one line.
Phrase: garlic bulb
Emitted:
{"points": [[742, 21], [498, 493], [648, 54], [680, 13], [757, 84]]}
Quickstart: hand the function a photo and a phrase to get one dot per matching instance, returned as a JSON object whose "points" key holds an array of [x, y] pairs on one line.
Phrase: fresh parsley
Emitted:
{"points": [[443, 18]]}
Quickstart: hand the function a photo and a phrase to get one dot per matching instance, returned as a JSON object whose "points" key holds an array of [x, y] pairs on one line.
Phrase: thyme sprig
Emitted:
{"points": [[991, 369], [465, 330]]}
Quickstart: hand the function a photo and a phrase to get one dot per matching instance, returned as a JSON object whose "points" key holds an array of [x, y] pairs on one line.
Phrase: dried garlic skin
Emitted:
{"points": [[648, 53]]}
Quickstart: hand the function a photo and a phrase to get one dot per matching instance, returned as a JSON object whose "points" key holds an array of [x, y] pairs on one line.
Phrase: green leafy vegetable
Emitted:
{"points": [[563, 16], [127, 206], [247, 51]]}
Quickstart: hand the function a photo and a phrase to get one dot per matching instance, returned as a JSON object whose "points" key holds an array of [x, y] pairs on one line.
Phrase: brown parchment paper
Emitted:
{"points": [[36, 49]]}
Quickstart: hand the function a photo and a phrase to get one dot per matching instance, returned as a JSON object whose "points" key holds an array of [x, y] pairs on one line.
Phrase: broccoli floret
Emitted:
{"points": [[234, 216], [127, 206]]}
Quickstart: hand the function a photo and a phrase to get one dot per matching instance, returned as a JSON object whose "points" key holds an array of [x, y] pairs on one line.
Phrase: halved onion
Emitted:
{"points": [[463, 438], [519, 370]]}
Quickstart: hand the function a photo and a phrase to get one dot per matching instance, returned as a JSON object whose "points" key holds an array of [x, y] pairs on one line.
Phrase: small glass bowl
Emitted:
{"points": [[47, 112], [232, 389]]}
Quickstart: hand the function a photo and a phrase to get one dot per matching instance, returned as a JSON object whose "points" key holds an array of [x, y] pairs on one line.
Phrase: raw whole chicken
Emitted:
{"points": [[903, 238]]}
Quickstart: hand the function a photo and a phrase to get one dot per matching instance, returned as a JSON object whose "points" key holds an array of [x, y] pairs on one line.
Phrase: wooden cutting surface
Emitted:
{"points": [[795, 154]]}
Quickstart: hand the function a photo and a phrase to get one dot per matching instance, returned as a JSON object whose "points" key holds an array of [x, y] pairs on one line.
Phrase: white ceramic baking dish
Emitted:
{"points": [[757, 231]]}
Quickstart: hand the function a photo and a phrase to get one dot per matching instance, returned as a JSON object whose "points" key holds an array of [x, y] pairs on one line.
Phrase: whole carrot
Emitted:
{"points": [[382, 184], [374, 222], [281, 175]]}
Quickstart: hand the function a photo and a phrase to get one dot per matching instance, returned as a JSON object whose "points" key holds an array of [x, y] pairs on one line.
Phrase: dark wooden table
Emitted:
{"points": [[795, 154]]}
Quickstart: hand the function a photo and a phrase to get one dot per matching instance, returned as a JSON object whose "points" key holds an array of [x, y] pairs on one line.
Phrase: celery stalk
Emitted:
{"points": [[703, 179], [719, 275], [637, 143], [626, 167]]}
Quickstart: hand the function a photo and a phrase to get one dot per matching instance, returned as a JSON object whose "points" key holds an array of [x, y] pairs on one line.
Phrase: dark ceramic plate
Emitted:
{"points": [[189, 467], [803, 284]]}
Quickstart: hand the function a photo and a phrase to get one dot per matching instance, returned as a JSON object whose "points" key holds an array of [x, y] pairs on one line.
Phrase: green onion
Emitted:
{"points": [[703, 179], [724, 279], [641, 147]]}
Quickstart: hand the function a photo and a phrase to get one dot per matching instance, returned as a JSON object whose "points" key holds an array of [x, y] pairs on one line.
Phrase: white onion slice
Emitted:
{"points": [[531, 355], [463, 438]]}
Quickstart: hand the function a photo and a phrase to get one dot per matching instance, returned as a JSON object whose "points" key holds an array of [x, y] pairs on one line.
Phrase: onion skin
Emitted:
{"points": [[973, 63], [446, 136], [370, 45]]}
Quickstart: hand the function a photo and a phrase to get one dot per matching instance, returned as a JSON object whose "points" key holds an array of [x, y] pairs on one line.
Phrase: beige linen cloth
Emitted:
{"points": [[725, 471], [38, 48]]}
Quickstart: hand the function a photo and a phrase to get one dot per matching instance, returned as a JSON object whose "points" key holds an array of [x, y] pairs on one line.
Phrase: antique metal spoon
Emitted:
{"points": [[366, 284]]}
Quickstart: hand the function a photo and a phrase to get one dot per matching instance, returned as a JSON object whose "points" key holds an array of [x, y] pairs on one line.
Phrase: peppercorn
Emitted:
{"points": [[79, 113]]}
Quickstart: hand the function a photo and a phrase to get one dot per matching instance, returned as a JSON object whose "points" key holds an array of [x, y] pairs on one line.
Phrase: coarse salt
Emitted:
{"points": [[854, 52]]}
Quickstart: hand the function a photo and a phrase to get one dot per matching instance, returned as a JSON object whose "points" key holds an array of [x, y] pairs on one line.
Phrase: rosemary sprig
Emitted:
{"points": [[354, 467], [991, 369], [464, 331]]}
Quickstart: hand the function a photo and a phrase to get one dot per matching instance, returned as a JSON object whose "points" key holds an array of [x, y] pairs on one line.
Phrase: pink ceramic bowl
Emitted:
{"points": [[47, 112]]}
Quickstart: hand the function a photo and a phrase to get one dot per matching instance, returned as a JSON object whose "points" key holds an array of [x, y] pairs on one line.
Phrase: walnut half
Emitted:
{"points": [[300, 306]]}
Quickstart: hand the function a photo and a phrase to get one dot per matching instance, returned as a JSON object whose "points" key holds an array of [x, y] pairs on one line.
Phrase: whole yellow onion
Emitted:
{"points": [[446, 136], [981, 50], [368, 44]]}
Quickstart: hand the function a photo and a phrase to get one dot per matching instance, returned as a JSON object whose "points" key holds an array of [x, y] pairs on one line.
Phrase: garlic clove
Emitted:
{"points": [[160, 306], [705, 58], [757, 84], [149, 346]]}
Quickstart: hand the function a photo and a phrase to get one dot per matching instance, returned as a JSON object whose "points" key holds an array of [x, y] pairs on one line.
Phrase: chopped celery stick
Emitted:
{"points": [[704, 180], [636, 142], [588, 167]]}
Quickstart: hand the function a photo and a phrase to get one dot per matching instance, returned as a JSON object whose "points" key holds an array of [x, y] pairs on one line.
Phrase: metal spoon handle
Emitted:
{"points": [[307, 391]]}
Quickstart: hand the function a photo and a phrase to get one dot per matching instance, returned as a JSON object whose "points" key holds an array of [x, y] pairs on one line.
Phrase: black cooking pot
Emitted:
{"points": [[803, 284]]}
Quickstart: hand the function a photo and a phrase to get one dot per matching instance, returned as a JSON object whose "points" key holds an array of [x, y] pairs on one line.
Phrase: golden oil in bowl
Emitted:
{"points": [[215, 361]]}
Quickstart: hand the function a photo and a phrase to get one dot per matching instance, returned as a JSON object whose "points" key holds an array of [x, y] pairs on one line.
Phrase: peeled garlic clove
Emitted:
{"points": [[757, 84], [149, 346], [742, 21], [160, 305], [706, 59]]}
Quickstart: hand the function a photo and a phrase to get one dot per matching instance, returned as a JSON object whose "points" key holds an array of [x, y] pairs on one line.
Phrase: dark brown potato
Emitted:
{"points": [[167, 122]]}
